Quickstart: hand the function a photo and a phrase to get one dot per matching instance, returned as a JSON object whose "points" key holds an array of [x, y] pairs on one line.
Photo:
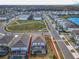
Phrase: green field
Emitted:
{"points": [[26, 26]]}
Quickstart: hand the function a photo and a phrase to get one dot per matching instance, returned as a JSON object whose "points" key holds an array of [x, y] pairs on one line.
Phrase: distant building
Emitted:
{"points": [[71, 27], [38, 46], [66, 25], [23, 17], [3, 18], [64, 12], [37, 16]]}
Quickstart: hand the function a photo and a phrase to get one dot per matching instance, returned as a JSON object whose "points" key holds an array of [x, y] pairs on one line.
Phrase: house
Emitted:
{"points": [[23, 16], [3, 18], [71, 26], [4, 48], [20, 47], [37, 16], [5, 39], [75, 35], [66, 25], [38, 46]]}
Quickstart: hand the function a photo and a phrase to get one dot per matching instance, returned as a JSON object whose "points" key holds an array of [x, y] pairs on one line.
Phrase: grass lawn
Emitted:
{"points": [[51, 52], [66, 42], [72, 51], [25, 26], [6, 57], [77, 50]]}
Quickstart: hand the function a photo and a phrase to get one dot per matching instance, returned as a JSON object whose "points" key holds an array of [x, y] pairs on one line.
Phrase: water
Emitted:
{"points": [[74, 20]]}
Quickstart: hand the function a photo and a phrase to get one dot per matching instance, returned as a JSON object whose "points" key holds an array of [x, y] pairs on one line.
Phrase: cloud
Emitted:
{"points": [[37, 2]]}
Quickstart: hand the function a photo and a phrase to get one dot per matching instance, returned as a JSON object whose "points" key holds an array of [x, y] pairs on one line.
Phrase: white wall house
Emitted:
{"points": [[3, 18], [23, 17], [37, 16], [38, 45]]}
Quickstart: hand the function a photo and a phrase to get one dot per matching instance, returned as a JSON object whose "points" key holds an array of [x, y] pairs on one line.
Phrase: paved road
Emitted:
{"points": [[62, 46]]}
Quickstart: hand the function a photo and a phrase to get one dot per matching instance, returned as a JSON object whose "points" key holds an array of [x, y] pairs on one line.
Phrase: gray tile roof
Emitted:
{"points": [[38, 39], [22, 42], [76, 32], [6, 39], [19, 44]]}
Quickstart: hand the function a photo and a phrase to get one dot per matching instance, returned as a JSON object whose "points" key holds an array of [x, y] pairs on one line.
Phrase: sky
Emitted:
{"points": [[38, 2]]}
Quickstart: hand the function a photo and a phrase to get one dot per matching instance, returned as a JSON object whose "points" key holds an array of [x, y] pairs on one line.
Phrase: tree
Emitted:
{"points": [[54, 57]]}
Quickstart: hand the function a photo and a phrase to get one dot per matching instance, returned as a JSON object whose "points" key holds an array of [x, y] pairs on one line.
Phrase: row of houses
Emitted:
{"points": [[8, 16], [22, 16], [65, 12], [67, 26], [64, 25], [31, 16], [18, 45]]}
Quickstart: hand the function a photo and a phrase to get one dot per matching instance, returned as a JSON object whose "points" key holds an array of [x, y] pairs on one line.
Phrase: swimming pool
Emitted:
{"points": [[74, 20]]}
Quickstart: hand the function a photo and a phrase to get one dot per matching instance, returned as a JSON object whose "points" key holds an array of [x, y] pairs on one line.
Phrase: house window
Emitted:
{"points": [[42, 44], [34, 44]]}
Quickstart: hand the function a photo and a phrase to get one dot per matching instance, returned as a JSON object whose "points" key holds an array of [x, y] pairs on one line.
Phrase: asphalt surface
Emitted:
{"points": [[62, 46], [2, 25]]}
